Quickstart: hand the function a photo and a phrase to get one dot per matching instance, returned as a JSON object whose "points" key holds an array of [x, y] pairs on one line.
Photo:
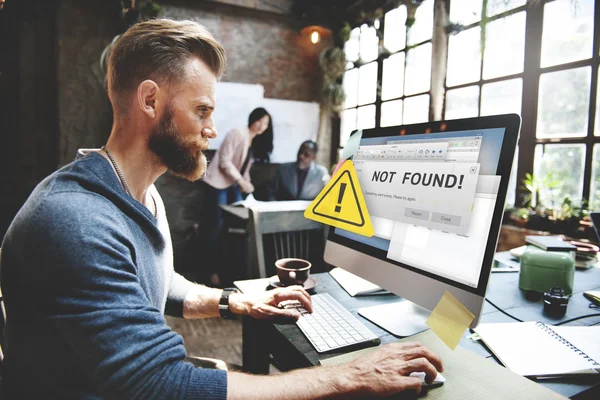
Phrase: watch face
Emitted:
{"points": [[224, 310]]}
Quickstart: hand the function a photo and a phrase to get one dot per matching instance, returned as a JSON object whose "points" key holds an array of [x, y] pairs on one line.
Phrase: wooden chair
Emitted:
{"points": [[282, 234]]}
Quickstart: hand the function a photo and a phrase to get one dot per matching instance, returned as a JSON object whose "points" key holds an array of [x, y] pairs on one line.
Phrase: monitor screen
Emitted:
{"points": [[435, 193]]}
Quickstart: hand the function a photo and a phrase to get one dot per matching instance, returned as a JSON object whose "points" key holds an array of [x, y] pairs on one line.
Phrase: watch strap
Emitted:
{"points": [[224, 309]]}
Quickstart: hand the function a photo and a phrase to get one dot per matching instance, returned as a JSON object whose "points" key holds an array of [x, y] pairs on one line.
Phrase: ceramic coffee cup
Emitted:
{"points": [[292, 271]]}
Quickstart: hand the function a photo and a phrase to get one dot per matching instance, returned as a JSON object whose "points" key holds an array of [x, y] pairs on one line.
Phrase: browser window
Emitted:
{"points": [[431, 199]]}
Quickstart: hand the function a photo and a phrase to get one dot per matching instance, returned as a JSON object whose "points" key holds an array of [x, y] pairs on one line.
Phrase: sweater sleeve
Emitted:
{"points": [[89, 291], [232, 145], [178, 290]]}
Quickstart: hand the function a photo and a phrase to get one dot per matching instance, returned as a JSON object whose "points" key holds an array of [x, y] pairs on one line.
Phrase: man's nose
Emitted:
{"points": [[209, 131]]}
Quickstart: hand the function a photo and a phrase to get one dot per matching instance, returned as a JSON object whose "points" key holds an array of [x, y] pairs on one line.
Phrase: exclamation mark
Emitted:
{"points": [[338, 208], [460, 182]]}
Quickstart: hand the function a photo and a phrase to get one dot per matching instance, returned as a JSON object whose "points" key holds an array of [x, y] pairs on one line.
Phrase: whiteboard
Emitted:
{"points": [[293, 123], [235, 102]]}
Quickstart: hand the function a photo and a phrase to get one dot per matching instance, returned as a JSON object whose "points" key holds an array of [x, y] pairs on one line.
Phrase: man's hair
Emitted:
{"points": [[157, 49], [310, 144]]}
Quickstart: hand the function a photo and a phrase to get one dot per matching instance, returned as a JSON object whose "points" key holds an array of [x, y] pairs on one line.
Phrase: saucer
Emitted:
{"points": [[309, 284]]}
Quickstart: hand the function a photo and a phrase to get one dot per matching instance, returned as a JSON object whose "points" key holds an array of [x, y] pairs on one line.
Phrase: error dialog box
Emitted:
{"points": [[431, 194]]}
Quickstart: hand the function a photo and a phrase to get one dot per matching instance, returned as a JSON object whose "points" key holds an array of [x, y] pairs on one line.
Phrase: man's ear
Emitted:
{"points": [[147, 97]]}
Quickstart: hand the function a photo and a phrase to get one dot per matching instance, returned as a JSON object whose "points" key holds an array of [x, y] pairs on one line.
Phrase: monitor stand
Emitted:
{"points": [[402, 318]]}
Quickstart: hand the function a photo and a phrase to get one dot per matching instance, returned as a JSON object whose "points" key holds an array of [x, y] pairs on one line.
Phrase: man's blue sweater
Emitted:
{"points": [[86, 277]]}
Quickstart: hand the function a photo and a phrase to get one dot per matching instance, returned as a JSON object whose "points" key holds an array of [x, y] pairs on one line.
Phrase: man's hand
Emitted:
{"points": [[264, 305], [379, 374], [245, 186], [385, 371]]}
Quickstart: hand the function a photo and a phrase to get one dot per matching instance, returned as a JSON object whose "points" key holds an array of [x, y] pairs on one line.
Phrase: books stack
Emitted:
{"points": [[586, 254]]}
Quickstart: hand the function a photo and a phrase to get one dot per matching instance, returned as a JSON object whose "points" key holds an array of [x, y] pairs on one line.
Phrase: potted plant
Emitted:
{"points": [[562, 216]]}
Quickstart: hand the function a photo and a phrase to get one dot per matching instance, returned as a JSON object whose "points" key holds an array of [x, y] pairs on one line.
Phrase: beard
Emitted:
{"points": [[184, 159]]}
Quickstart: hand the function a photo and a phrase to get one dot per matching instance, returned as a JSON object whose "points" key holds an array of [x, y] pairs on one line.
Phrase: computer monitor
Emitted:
{"points": [[435, 193]]}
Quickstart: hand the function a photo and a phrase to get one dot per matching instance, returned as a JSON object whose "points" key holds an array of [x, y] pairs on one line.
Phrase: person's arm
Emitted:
{"points": [[246, 175], [381, 373], [232, 145], [203, 302], [89, 291]]}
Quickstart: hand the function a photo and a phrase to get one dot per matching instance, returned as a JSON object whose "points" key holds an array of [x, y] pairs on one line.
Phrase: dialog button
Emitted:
{"points": [[414, 213], [446, 219]]}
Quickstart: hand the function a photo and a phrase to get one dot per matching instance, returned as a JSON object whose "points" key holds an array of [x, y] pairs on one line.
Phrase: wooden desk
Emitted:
{"points": [[290, 349]]}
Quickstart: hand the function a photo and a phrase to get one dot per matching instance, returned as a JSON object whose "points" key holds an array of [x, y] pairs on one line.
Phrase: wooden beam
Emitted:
{"points": [[439, 54], [283, 7]]}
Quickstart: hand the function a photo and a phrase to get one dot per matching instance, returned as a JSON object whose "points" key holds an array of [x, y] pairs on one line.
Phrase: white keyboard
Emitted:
{"points": [[330, 326]]}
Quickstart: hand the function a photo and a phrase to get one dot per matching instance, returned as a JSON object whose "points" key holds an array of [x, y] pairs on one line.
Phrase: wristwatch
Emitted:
{"points": [[224, 310]]}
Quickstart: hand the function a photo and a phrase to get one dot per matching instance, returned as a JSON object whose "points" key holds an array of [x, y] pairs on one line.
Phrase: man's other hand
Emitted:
{"points": [[265, 305], [385, 371]]}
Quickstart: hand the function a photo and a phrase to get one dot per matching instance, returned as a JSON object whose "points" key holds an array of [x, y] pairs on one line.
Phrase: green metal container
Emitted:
{"points": [[541, 270]]}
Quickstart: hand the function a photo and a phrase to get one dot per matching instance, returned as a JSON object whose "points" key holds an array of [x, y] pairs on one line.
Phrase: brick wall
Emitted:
{"points": [[261, 48]]}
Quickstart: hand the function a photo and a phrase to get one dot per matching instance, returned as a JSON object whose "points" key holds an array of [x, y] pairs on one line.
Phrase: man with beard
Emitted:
{"points": [[87, 266]]}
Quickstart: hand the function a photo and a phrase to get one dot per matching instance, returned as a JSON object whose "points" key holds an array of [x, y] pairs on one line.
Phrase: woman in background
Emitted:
{"points": [[228, 174]]}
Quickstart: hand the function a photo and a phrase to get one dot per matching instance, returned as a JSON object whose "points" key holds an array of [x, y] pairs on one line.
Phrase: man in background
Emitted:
{"points": [[300, 180]]}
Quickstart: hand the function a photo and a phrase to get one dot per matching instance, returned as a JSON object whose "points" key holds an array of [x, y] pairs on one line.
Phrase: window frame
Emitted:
{"points": [[531, 80], [379, 60], [530, 76]]}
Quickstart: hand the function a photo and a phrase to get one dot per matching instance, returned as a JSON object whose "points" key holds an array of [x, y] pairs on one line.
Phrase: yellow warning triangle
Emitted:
{"points": [[341, 203]]}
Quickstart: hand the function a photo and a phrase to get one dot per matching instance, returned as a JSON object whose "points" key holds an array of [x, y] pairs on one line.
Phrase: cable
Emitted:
{"points": [[560, 323], [503, 312], [575, 319]]}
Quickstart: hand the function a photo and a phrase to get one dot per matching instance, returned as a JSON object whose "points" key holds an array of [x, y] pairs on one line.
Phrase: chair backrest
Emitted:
{"points": [[281, 234], [2, 323], [2, 319]]}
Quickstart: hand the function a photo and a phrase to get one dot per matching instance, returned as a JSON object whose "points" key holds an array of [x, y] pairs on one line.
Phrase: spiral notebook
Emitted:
{"points": [[538, 350]]}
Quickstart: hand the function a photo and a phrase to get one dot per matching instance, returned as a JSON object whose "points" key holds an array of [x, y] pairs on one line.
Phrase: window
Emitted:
{"points": [[563, 103], [388, 83], [407, 68], [462, 103], [360, 81], [495, 64], [464, 57], [486, 62], [561, 167], [595, 189], [566, 141], [568, 31]]}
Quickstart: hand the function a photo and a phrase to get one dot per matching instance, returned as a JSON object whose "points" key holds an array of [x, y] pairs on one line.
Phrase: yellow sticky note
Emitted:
{"points": [[449, 320]]}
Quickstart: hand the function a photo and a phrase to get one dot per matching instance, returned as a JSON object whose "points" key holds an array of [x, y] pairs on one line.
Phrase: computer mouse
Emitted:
{"points": [[437, 382]]}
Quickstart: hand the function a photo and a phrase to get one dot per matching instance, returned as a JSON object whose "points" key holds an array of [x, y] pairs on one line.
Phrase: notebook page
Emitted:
{"points": [[585, 338], [529, 350]]}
